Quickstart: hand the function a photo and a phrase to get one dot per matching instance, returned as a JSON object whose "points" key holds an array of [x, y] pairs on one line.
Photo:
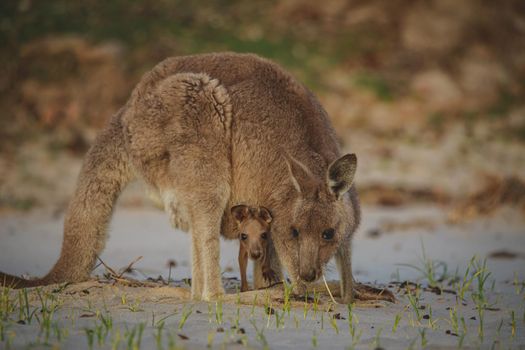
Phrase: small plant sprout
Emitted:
{"points": [[454, 320], [134, 307], [513, 323], [158, 334], [115, 342], [237, 317], [140, 331], [464, 284], [397, 318], [306, 307], [279, 319], [518, 286], [431, 321], [238, 295], [2, 331], [377, 339], [317, 298], [482, 274], [186, 312], [28, 315], [498, 330], [260, 335], [461, 339], [254, 303], [351, 318], [463, 325], [434, 272], [6, 305], [287, 293], [423, 335], [211, 337], [413, 300], [134, 336], [107, 321], [493, 285], [296, 321], [314, 340], [210, 309], [166, 317], [171, 341], [90, 335], [333, 323], [218, 311]]}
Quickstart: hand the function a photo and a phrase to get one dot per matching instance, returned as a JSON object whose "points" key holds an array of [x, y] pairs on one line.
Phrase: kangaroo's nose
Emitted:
{"points": [[309, 276]]}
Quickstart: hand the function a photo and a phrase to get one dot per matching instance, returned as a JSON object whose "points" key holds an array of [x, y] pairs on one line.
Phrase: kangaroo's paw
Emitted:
{"points": [[196, 292], [212, 295], [270, 276], [364, 292], [300, 289]]}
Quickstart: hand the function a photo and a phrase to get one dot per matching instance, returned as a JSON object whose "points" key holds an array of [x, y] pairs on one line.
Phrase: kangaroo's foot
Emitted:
{"points": [[270, 276], [364, 292]]}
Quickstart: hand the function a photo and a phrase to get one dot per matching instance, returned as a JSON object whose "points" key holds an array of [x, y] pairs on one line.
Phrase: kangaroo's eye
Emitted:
{"points": [[328, 234], [244, 236], [295, 232], [264, 235]]}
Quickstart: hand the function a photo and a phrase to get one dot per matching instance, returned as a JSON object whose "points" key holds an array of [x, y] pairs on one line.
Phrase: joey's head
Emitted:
{"points": [[317, 217], [254, 229]]}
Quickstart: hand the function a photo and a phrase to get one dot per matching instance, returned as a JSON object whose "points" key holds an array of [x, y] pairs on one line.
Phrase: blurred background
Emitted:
{"points": [[428, 93]]}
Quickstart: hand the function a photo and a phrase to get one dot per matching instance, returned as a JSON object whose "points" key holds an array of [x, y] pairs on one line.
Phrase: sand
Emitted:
{"points": [[389, 241]]}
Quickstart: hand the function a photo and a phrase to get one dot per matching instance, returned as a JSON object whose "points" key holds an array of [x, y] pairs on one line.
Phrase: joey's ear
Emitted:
{"points": [[240, 213], [265, 215], [341, 173], [300, 175]]}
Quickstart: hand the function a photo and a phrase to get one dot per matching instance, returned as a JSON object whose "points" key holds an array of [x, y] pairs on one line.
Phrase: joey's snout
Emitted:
{"points": [[256, 254], [255, 250]]}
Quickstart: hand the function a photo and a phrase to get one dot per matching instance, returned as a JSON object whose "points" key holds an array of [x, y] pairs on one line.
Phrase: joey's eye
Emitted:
{"points": [[328, 234], [295, 232], [244, 236], [264, 235]]}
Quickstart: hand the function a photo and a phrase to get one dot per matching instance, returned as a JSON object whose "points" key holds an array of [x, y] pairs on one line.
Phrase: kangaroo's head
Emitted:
{"points": [[317, 218], [254, 229]]}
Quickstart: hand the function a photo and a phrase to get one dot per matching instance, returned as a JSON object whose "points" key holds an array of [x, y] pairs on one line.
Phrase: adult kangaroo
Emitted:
{"points": [[208, 132]]}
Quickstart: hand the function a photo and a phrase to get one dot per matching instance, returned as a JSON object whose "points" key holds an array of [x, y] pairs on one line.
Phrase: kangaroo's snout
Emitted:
{"points": [[309, 275]]}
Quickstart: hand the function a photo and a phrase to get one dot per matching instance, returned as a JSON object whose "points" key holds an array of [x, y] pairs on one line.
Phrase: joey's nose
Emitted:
{"points": [[255, 255], [308, 276]]}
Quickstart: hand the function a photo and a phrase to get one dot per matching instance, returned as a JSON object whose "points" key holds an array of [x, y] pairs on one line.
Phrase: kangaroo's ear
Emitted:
{"points": [[300, 175], [341, 174], [265, 215], [240, 213]]}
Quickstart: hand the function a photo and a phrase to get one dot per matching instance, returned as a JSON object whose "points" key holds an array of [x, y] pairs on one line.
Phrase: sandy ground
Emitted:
{"points": [[388, 241]]}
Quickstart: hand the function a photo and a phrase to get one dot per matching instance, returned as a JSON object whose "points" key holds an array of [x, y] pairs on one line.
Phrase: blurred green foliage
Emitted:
{"points": [[177, 27]]}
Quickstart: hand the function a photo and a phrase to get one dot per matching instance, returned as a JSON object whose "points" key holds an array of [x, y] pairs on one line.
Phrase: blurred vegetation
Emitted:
{"points": [[168, 28], [395, 76], [406, 52]]}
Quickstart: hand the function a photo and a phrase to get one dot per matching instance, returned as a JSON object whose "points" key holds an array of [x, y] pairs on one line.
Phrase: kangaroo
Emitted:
{"points": [[253, 232], [208, 131]]}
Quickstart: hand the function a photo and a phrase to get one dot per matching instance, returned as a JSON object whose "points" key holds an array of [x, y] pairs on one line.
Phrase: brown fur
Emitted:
{"points": [[206, 132]]}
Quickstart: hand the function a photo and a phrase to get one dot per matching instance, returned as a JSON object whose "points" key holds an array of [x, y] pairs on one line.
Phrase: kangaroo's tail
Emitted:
{"points": [[105, 173]]}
